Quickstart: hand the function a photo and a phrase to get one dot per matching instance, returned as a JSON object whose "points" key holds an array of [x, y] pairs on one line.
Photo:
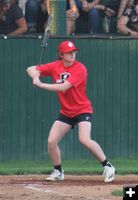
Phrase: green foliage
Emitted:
{"points": [[117, 193]]}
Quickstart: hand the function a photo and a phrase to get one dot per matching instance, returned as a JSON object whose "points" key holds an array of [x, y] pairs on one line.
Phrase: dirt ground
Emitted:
{"points": [[34, 187]]}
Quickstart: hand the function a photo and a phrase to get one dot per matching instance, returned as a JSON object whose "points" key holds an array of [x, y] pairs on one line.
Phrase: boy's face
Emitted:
{"points": [[69, 57]]}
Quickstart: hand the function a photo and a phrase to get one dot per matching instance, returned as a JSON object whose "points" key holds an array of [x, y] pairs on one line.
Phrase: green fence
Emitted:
{"points": [[27, 113]]}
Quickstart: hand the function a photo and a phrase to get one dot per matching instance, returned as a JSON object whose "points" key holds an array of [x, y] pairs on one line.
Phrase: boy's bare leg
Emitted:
{"points": [[57, 132], [85, 139], [95, 149]]}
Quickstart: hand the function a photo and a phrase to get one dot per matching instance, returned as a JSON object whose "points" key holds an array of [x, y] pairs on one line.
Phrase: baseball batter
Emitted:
{"points": [[69, 77]]}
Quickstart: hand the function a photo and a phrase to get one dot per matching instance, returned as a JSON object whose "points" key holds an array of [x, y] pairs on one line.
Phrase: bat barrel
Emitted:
{"points": [[45, 37]]}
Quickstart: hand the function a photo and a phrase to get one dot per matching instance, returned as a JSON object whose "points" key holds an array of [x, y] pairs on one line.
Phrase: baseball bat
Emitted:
{"points": [[45, 37]]}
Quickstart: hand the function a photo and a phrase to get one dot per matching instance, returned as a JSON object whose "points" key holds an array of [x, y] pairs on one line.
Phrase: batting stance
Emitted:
{"points": [[69, 77]]}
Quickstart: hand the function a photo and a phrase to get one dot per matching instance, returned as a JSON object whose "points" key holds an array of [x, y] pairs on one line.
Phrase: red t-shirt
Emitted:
{"points": [[74, 101]]}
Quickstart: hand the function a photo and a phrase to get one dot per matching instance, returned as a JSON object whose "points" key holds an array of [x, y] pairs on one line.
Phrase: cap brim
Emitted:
{"points": [[70, 50]]}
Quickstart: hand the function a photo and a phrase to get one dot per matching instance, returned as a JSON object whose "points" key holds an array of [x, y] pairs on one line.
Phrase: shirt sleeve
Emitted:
{"points": [[78, 76], [46, 69]]}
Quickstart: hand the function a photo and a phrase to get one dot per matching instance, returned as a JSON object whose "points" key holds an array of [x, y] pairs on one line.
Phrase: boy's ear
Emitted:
{"points": [[61, 55]]}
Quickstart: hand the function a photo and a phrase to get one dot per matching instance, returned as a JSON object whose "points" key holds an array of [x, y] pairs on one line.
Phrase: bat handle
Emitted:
{"points": [[41, 56], [45, 39]]}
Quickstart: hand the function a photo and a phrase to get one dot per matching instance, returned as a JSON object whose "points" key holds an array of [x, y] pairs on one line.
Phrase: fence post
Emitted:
{"points": [[58, 11]]}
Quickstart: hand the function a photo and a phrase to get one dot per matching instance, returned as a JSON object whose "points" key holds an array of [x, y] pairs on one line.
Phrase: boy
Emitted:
{"points": [[69, 78]]}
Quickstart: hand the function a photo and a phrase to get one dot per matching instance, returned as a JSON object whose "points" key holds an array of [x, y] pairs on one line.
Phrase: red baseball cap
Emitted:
{"points": [[66, 47]]}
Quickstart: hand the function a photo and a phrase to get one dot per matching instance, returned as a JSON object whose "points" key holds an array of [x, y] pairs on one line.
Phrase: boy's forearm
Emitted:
{"points": [[62, 87], [52, 87]]}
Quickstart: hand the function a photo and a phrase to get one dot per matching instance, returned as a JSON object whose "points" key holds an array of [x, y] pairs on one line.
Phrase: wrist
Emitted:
{"points": [[41, 85]]}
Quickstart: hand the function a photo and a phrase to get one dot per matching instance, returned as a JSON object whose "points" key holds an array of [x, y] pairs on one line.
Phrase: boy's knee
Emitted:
{"points": [[51, 142], [83, 141]]}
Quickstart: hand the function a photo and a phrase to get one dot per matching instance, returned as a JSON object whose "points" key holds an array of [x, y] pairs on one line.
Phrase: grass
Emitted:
{"points": [[118, 193], [123, 167]]}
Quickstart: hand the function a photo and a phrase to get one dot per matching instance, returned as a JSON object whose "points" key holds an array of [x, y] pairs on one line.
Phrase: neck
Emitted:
{"points": [[66, 63]]}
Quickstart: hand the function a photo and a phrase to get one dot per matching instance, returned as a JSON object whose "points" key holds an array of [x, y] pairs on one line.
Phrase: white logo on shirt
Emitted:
{"points": [[63, 77]]}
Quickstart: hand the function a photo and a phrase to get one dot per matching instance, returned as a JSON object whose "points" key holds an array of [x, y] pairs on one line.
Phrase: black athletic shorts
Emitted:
{"points": [[87, 117]]}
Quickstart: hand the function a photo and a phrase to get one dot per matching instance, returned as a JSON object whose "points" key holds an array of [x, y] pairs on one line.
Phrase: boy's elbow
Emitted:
{"points": [[30, 68], [27, 70]]}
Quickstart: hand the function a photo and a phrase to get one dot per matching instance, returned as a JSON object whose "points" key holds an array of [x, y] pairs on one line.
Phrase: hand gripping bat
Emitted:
{"points": [[45, 37]]}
